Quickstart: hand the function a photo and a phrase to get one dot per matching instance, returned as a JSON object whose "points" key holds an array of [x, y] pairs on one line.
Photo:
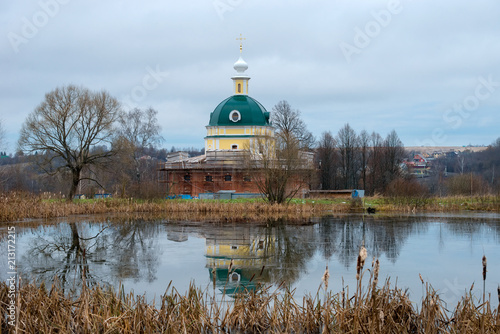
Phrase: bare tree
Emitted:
{"points": [[394, 154], [348, 144], [66, 126], [282, 165], [496, 143], [364, 150], [139, 129], [328, 161], [279, 169], [375, 163], [289, 126]]}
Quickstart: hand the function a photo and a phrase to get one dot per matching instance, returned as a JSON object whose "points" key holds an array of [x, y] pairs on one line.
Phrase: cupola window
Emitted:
{"points": [[235, 116]]}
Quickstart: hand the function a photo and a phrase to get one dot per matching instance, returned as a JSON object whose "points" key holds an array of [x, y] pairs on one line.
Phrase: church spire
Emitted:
{"points": [[241, 78]]}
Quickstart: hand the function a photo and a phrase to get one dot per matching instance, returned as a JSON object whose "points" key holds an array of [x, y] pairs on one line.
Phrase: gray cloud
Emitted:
{"points": [[409, 67]]}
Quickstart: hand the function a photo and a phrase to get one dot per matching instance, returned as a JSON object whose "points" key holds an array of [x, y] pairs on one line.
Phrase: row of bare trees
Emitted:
{"points": [[364, 161]]}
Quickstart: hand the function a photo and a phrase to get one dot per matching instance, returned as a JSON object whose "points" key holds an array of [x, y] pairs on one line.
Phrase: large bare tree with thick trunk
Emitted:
{"points": [[66, 128]]}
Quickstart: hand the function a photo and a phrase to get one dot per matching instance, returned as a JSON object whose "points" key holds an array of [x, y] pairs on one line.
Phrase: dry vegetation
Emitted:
{"points": [[23, 206], [371, 309], [18, 206]]}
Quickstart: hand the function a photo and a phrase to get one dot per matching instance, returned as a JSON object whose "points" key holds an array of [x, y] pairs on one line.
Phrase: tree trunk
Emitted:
{"points": [[74, 184]]}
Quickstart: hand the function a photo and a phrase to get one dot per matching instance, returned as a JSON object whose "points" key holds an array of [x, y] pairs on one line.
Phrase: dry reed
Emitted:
{"points": [[22, 206], [383, 309]]}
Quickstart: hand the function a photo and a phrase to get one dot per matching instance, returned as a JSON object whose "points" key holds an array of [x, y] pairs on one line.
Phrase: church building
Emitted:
{"points": [[239, 128]]}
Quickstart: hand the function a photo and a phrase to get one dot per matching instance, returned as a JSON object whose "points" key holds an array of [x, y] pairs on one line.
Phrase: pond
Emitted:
{"points": [[145, 255]]}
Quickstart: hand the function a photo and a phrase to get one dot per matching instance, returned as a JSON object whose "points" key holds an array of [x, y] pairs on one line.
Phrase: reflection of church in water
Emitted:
{"points": [[252, 254], [253, 251]]}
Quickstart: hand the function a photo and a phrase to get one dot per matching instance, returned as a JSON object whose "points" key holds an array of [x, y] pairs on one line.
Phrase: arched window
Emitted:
{"points": [[239, 88], [234, 147]]}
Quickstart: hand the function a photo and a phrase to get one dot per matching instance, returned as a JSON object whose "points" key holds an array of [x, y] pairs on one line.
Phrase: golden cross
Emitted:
{"points": [[241, 39]]}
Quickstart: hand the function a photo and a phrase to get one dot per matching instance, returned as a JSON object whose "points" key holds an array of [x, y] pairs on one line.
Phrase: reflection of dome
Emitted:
{"points": [[250, 111]]}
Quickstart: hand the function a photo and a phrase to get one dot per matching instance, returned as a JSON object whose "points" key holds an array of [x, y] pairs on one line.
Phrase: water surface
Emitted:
{"points": [[146, 255]]}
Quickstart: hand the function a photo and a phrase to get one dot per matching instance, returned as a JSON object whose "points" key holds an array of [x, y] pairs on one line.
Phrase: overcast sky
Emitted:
{"points": [[428, 69]]}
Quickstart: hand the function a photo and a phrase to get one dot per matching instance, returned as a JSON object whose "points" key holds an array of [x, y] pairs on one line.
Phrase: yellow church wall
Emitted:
{"points": [[254, 130], [226, 144], [241, 251], [210, 144], [235, 131]]}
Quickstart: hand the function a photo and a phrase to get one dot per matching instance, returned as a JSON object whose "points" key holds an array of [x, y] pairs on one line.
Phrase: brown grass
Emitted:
{"points": [[22, 206], [370, 310], [25, 206]]}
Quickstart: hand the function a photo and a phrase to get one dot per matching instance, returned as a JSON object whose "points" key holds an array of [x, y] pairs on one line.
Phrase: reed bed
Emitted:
{"points": [[22, 206], [25, 206], [370, 309], [437, 204]]}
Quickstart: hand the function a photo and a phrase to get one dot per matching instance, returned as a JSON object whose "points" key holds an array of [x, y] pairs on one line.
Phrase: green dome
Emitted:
{"points": [[239, 110]]}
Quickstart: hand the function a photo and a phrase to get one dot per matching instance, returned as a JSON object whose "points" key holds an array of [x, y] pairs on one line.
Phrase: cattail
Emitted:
{"points": [[325, 278], [484, 267], [484, 278], [363, 254], [230, 266], [421, 279], [358, 267], [375, 273], [381, 317], [498, 291]]}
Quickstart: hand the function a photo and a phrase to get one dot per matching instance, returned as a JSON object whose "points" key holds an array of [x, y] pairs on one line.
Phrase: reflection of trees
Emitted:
{"points": [[474, 228], [134, 245], [295, 246], [381, 236], [63, 254], [74, 253]]}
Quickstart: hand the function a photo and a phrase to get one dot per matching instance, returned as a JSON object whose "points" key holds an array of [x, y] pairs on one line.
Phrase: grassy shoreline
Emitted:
{"points": [[20, 206]]}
